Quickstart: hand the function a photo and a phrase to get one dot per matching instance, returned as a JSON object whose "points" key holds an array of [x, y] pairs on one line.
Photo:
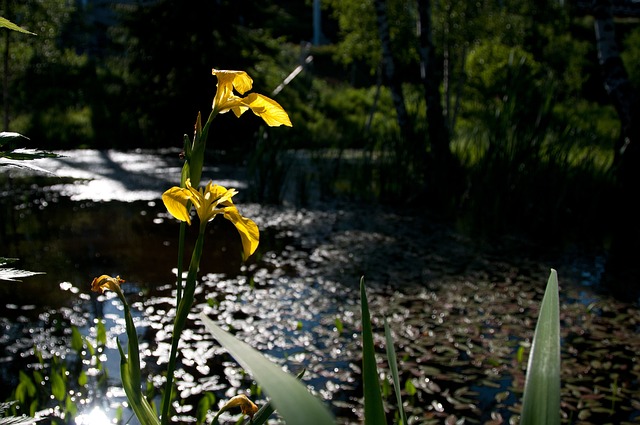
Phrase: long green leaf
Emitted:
{"points": [[393, 367], [291, 398], [130, 369], [373, 407], [541, 403], [8, 24]]}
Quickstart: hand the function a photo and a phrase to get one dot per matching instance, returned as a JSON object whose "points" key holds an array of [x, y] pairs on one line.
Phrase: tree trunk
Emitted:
{"points": [[622, 266], [443, 180], [388, 63], [437, 126], [5, 75]]}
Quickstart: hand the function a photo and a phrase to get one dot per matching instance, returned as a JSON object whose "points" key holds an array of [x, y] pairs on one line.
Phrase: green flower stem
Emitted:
{"points": [[181, 317], [180, 265], [184, 297], [130, 369]]}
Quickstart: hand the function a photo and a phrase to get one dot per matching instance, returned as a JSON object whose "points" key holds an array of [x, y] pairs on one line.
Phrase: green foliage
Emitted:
{"points": [[393, 367], [11, 274], [48, 80], [13, 420], [631, 56], [373, 407], [290, 398], [541, 400], [5, 23]]}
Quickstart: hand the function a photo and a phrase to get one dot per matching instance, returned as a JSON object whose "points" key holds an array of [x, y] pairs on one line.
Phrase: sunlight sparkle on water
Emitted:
{"points": [[96, 416]]}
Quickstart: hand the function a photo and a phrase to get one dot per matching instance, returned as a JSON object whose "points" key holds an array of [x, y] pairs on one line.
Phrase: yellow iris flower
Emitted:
{"points": [[104, 282], [225, 99], [242, 401], [209, 202]]}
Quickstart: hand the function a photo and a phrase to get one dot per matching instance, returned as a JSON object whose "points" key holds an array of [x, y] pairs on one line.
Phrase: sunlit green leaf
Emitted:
{"points": [[373, 407], [204, 405], [101, 333], [76, 339], [10, 25], [58, 386], [82, 379], [291, 398], [70, 406], [541, 399], [14, 275], [18, 420], [410, 388]]}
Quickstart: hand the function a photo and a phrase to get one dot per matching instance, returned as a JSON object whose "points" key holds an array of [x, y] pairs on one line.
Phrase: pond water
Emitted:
{"points": [[462, 312]]}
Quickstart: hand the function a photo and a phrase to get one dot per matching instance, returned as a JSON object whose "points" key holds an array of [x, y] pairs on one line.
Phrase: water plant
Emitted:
{"points": [[289, 396], [541, 401]]}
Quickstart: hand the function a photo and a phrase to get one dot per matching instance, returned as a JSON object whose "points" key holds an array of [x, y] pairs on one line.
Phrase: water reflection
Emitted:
{"points": [[95, 416], [460, 312]]}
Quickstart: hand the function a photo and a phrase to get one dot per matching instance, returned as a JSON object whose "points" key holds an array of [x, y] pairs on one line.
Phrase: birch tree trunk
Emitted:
{"points": [[437, 126], [388, 66], [622, 265]]}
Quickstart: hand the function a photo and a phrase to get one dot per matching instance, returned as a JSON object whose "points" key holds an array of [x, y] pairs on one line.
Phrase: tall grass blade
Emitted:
{"points": [[291, 398], [393, 367], [541, 401], [373, 407]]}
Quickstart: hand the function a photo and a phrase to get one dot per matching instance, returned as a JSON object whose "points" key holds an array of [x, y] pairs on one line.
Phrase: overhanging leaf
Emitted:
{"points": [[10, 136], [27, 154], [541, 399], [18, 420], [291, 398], [10, 25], [14, 275]]}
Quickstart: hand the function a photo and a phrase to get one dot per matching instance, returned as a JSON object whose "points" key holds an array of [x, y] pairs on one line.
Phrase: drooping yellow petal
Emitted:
{"points": [[239, 80], [268, 109], [248, 230], [104, 282], [176, 199], [240, 109], [225, 99], [242, 401]]}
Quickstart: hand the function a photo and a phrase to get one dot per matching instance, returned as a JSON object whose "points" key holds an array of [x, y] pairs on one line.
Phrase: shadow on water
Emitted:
{"points": [[462, 314]]}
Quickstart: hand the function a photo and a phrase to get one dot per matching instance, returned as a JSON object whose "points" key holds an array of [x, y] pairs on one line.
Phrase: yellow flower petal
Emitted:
{"points": [[268, 109], [239, 80], [104, 282], [242, 401], [209, 202], [225, 99], [248, 230], [175, 199]]}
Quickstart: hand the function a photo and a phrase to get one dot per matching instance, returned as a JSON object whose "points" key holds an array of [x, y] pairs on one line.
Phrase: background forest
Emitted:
{"points": [[518, 116]]}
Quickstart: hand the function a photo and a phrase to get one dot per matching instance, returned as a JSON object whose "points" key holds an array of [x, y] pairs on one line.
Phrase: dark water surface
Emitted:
{"points": [[462, 312]]}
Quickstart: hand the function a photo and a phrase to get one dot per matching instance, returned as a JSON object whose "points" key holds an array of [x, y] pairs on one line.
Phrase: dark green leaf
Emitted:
{"points": [[58, 386], [373, 407], [393, 366], [292, 399], [76, 340]]}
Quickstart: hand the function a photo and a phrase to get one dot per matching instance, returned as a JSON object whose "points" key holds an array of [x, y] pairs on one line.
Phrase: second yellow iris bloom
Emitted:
{"points": [[209, 202], [226, 100]]}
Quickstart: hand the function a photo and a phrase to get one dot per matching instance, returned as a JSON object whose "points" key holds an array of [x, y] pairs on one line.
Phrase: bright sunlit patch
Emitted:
{"points": [[96, 416]]}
